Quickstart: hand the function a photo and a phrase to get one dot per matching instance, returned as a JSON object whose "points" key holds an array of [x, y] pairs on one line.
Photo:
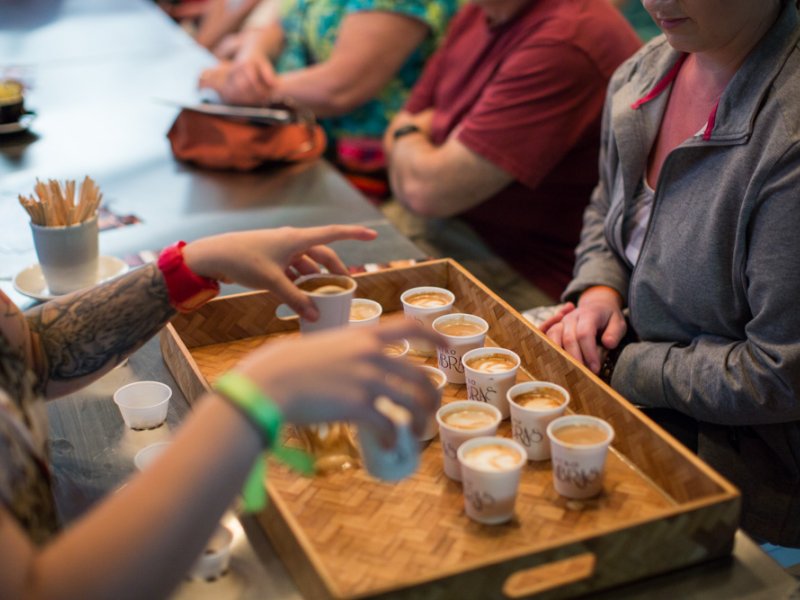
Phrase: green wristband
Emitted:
{"points": [[248, 397]]}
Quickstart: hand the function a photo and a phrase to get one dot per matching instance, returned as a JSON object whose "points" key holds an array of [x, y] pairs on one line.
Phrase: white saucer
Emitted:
{"points": [[21, 125], [30, 281]]}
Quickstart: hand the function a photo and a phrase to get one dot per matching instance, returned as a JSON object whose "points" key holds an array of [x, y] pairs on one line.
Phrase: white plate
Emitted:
{"points": [[30, 281], [21, 125]]}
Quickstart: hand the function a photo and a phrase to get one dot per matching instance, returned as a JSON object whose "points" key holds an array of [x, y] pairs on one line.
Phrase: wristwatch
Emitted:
{"points": [[405, 130], [187, 290]]}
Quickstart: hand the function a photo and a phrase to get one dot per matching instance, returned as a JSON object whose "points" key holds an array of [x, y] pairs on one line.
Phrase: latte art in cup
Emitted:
{"points": [[362, 312], [469, 418], [492, 363], [459, 328], [428, 299], [580, 435], [540, 399], [493, 457]]}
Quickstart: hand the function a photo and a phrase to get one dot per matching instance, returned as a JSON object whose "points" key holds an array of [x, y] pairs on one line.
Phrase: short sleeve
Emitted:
{"points": [[542, 101], [436, 15]]}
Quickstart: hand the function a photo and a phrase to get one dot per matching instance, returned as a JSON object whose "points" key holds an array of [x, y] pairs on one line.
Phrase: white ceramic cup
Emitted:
{"points": [[449, 358], [334, 308], [529, 423], [364, 312], [399, 461], [491, 384], [425, 313], [452, 436], [143, 404], [147, 455], [491, 480], [215, 558], [68, 256], [578, 467], [439, 380]]}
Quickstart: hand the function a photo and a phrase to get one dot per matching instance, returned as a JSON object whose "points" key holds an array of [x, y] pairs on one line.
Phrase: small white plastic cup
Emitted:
{"points": [[449, 358], [399, 461], [490, 493], [439, 380], [426, 313], [529, 423], [364, 312], [149, 454], [452, 437], [143, 404], [578, 467], [491, 386], [215, 558]]}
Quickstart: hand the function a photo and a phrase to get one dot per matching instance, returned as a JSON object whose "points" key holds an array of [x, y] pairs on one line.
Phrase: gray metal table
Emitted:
{"points": [[97, 67]]}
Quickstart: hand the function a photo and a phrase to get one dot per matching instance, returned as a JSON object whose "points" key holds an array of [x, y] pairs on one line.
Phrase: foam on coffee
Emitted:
{"points": [[540, 399], [323, 286], [492, 363], [493, 457], [362, 312], [469, 418], [428, 299], [459, 328], [394, 349], [580, 435]]}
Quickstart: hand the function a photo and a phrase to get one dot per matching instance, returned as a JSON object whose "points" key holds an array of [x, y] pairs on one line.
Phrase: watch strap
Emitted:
{"points": [[405, 130]]}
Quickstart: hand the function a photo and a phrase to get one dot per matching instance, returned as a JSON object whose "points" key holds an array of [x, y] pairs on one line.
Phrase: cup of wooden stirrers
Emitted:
{"points": [[65, 233]]}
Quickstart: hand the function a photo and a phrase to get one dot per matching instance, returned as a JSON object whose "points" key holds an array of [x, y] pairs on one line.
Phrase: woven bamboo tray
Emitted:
{"points": [[346, 535]]}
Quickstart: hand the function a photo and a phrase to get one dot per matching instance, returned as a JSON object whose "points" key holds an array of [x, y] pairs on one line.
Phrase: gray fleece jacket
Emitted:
{"points": [[714, 295]]}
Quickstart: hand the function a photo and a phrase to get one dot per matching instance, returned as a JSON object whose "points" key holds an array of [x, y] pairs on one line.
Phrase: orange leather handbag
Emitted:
{"points": [[235, 139]]}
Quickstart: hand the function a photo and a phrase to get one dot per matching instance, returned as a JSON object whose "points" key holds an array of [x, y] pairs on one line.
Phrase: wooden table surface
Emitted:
{"points": [[97, 70]]}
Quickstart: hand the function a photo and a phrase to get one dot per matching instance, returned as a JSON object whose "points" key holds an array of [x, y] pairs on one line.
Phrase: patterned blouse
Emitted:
{"points": [[25, 485], [310, 30]]}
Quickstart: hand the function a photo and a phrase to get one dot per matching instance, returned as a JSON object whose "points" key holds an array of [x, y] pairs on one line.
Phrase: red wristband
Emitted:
{"points": [[187, 290]]}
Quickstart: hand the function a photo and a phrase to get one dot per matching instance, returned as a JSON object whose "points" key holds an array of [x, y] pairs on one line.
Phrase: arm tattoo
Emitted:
{"points": [[81, 333]]}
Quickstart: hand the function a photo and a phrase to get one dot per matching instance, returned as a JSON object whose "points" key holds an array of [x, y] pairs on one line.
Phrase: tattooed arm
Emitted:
{"points": [[81, 336], [73, 340]]}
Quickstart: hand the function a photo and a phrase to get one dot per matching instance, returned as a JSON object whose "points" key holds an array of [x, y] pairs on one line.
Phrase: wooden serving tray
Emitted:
{"points": [[346, 535]]}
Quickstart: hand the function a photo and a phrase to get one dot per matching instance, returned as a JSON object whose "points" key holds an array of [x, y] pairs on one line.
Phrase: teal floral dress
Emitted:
{"points": [[310, 29]]}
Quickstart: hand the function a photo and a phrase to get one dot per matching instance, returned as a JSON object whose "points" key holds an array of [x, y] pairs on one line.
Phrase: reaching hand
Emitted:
{"points": [[598, 315], [337, 375], [248, 81], [264, 259]]}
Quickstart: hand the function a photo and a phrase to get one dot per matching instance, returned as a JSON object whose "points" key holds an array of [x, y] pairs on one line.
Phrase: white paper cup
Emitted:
{"points": [[452, 436], [578, 467], [492, 384], [68, 256], [399, 461], [214, 561], [439, 380], [449, 359], [147, 455], [491, 479], [529, 423], [397, 349], [334, 307], [425, 313], [143, 404], [364, 312]]}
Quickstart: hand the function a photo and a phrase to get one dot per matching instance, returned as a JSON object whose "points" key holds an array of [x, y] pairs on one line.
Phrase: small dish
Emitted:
{"points": [[147, 455], [30, 281], [18, 126]]}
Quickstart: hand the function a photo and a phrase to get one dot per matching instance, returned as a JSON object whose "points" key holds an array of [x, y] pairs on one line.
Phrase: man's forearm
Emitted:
{"points": [[81, 336]]}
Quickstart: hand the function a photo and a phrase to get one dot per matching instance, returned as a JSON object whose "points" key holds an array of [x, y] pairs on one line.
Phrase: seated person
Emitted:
{"points": [[63, 345], [227, 24], [352, 62], [693, 230], [503, 128]]}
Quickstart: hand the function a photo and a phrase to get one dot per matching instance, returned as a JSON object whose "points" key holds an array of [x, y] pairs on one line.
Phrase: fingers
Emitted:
{"points": [[287, 291], [579, 339], [305, 266], [328, 258], [315, 236], [382, 425], [615, 331], [408, 386], [408, 329], [556, 318]]}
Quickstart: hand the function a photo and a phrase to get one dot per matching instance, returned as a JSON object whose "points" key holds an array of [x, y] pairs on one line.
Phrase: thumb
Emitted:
{"points": [[299, 302], [615, 330]]}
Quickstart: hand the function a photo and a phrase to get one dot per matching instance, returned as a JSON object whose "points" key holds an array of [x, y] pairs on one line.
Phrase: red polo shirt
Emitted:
{"points": [[528, 95]]}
